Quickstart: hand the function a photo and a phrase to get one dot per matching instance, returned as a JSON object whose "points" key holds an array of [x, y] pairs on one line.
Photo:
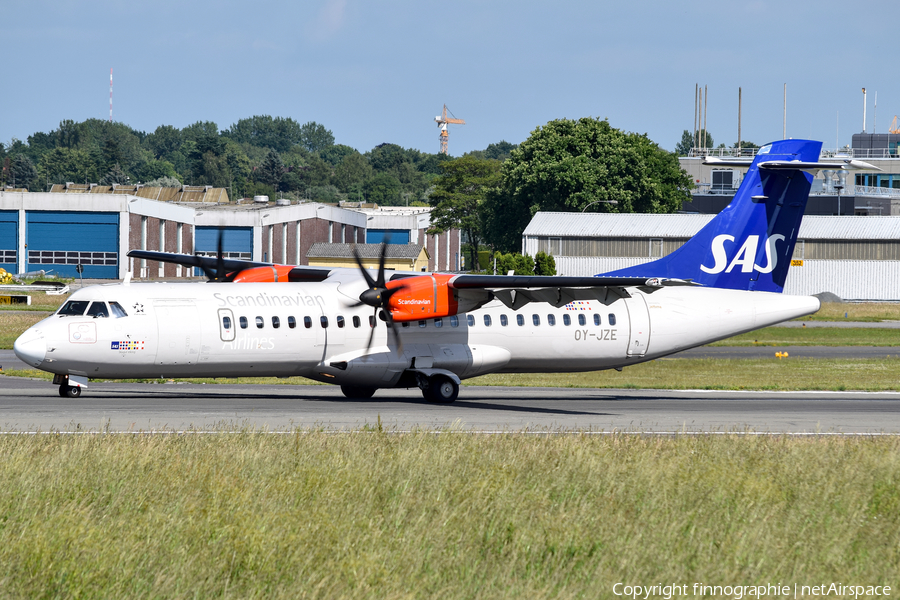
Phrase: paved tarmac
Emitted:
{"points": [[29, 405]]}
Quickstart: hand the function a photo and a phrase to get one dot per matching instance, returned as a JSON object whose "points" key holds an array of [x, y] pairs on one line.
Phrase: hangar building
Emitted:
{"points": [[857, 258], [96, 227]]}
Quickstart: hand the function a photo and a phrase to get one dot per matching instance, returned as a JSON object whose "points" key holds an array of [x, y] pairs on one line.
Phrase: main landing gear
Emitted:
{"points": [[440, 389]]}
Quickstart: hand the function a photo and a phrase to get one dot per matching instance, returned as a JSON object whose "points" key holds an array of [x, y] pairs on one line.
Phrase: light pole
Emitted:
{"points": [[599, 202]]}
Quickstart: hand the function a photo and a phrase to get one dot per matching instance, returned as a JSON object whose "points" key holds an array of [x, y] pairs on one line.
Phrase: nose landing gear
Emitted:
{"points": [[66, 387], [69, 391]]}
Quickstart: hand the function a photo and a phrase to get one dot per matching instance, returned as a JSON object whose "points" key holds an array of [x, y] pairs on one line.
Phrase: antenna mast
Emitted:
{"points": [[110, 94]]}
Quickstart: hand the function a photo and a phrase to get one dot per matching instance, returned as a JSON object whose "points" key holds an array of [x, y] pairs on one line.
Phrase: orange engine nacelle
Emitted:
{"points": [[422, 297], [264, 274]]}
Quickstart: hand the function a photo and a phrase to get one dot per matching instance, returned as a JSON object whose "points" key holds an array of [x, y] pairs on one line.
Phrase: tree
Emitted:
{"points": [[115, 176], [499, 151], [517, 263], [277, 133], [63, 164], [544, 264], [271, 170], [315, 137], [569, 165], [458, 196], [382, 188], [746, 146], [683, 148], [164, 141], [22, 173], [353, 170], [333, 155]]}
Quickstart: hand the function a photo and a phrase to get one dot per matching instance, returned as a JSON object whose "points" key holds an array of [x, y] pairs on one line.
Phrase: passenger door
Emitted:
{"points": [[639, 324]]}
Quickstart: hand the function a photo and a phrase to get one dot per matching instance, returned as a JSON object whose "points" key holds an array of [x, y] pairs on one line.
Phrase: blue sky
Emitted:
{"points": [[375, 72]]}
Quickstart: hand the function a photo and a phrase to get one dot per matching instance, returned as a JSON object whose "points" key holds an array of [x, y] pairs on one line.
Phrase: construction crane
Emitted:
{"points": [[443, 120], [893, 128]]}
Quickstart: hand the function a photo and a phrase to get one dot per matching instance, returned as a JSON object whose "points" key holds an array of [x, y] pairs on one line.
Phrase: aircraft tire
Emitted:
{"points": [[73, 391], [441, 389], [357, 392], [63, 391]]}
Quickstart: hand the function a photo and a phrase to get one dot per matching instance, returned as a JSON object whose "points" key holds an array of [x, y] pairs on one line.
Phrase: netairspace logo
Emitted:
{"points": [[738, 592]]}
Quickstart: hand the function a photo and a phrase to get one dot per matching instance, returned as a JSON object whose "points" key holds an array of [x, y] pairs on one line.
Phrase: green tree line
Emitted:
{"points": [[491, 194], [258, 155]]}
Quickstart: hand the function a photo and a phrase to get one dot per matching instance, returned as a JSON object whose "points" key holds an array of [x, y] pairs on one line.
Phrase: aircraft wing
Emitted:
{"points": [[517, 291], [209, 263]]}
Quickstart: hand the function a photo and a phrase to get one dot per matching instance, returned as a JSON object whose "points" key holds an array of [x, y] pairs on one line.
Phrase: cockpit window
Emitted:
{"points": [[98, 309], [117, 310], [74, 308]]}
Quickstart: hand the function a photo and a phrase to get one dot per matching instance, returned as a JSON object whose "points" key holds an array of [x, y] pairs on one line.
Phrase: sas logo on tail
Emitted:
{"points": [[745, 257]]}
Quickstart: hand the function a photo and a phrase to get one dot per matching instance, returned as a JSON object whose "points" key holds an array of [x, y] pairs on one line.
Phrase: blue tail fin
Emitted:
{"points": [[747, 246]]}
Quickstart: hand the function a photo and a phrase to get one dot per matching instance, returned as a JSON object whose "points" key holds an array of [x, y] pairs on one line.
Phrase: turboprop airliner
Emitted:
{"points": [[364, 331]]}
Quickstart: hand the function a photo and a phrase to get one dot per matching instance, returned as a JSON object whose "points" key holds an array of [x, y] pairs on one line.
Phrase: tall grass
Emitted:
{"points": [[856, 311], [450, 515]]}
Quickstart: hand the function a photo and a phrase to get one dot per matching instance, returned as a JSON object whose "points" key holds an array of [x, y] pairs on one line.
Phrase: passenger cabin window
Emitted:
{"points": [[117, 310], [260, 323], [276, 322], [612, 319], [292, 322], [536, 319], [98, 309], [307, 322], [73, 308], [520, 320], [243, 322], [567, 320], [356, 321], [422, 324], [438, 322], [371, 320], [470, 320], [454, 321], [324, 322], [226, 323], [597, 319], [340, 322], [487, 320], [551, 319], [504, 321], [582, 320]]}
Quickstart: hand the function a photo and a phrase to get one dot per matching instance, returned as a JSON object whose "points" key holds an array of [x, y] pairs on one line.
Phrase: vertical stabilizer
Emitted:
{"points": [[747, 246]]}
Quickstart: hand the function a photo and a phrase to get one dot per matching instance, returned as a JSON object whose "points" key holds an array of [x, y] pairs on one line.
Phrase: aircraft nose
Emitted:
{"points": [[31, 348]]}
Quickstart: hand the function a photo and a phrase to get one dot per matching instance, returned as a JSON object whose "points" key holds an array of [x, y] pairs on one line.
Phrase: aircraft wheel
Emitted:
{"points": [[357, 392], [72, 391], [63, 391], [441, 389]]}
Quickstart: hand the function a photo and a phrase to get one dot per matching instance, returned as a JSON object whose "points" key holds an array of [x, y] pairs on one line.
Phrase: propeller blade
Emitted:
{"points": [[365, 271], [372, 332], [220, 258]]}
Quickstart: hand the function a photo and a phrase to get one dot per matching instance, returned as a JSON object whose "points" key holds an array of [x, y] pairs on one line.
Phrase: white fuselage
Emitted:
{"points": [[311, 330]]}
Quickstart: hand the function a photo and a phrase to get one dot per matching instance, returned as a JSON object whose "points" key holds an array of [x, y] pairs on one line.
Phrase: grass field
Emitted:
{"points": [[449, 515], [856, 311], [671, 373]]}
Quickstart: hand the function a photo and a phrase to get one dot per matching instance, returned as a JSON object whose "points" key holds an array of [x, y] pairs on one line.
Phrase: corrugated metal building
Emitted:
{"points": [[855, 257]]}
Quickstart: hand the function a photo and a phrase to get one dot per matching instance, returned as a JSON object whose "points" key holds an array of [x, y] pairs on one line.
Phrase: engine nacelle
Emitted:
{"points": [[423, 297]]}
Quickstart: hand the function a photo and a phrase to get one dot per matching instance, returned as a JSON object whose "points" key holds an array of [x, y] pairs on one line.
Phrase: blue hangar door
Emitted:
{"points": [[237, 242], [58, 241], [9, 240]]}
